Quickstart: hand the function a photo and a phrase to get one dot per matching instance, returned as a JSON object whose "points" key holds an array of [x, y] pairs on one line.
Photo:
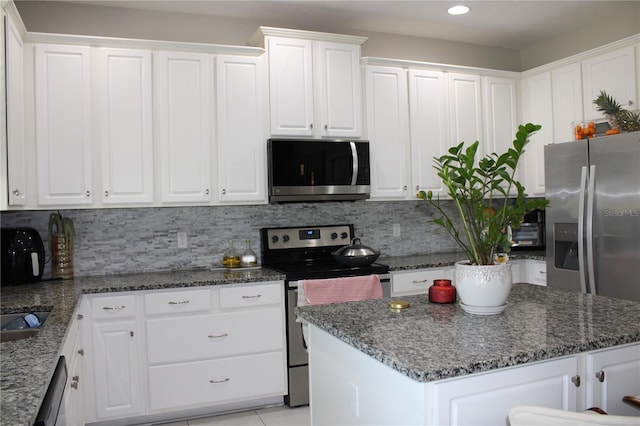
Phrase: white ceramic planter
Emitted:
{"points": [[483, 289]]}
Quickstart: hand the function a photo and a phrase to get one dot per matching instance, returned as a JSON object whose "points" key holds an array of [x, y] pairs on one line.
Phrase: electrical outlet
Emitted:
{"points": [[182, 240], [396, 229]]}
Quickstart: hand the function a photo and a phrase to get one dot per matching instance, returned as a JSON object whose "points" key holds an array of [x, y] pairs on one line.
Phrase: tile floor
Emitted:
{"points": [[273, 416]]}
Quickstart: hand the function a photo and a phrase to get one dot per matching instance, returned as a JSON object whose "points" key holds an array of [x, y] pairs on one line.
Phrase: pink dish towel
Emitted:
{"points": [[347, 289]]}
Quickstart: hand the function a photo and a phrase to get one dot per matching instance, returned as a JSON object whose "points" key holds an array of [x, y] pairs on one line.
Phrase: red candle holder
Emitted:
{"points": [[442, 292]]}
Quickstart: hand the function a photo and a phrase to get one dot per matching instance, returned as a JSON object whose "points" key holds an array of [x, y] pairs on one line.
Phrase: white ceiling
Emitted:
{"points": [[508, 24]]}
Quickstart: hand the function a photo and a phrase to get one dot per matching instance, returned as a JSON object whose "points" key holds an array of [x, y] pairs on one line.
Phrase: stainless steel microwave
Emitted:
{"points": [[530, 235], [318, 170]]}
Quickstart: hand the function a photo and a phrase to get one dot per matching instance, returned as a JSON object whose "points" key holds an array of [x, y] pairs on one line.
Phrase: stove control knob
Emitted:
{"points": [[344, 235], [285, 238], [334, 235], [274, 239]]}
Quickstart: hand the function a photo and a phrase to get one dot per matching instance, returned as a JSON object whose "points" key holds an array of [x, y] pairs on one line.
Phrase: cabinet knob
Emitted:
{"points": [[224, 191], [404, 188], [79, 316], [75, 378], [311, 126], [326, 127], [81, 352], [88, 193], [417, 187], [106, 193], [600, 376], [630, 103], [74, 385], [206, 192], [16, 193], [576, 380]]}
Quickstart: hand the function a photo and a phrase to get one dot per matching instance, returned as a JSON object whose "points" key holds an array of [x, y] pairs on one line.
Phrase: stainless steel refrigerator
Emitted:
{"points": [[593, 217]]}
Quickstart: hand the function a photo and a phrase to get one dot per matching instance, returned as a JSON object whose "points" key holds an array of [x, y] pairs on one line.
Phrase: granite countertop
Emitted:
{"points": [[428, 342], [435, 260], [27, 365]]}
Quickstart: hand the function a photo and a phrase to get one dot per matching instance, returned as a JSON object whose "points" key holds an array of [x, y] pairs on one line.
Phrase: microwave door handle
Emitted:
{"points": [[581, 264], [354, 157]]}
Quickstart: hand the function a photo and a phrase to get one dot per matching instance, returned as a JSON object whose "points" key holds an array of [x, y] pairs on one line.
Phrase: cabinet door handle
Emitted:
{"points": [[419, 281], [74, 385], [106, 193], [217, 336], [311, 126], [219, 381], [81, 351], [16, 193], [224, 191], [252, 297], [326, 127], [206, 192], [88, 193], [404, 188], [75, 378], [79, 316], [182, 302], [113, 308], [600, 376], [576, 380]]}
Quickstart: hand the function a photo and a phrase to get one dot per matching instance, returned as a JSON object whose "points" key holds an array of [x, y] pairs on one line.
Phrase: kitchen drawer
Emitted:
{"points": [[216, 335], [120, 306], [251, 295], [537, 272], [177, 302], [416, 282], [218, 381]]}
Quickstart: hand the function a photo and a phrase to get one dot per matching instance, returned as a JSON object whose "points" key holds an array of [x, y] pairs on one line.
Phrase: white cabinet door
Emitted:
{"points": [[15, 95], [388, 131], [428, 128], [183, 128], [240, 102], [485, 399], [291, 86], [536, 272], [611, 375], [339, 86], [537, 108], [63, 124], [116, 369], [500, 116], [465, 110], [615, 73], [567, 101], [125, 123]]}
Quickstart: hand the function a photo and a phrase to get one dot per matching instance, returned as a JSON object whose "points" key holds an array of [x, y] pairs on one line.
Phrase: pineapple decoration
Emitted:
{"points": [[617, 117]]}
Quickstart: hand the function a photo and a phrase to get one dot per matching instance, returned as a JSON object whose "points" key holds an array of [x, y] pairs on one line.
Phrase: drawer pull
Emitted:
{"points": [[600, 376], [252, 297], [113, 308], [219, 381], [217, 336], [576, 381], [420, 281], [183, 302], [74, 385]]}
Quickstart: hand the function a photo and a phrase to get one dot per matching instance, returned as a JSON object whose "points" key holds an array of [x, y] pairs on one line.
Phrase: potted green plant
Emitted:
{"points": [[487, 199]]}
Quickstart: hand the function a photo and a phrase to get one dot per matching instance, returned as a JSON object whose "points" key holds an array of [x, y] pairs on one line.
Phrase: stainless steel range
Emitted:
{"points": [[305, 253]]}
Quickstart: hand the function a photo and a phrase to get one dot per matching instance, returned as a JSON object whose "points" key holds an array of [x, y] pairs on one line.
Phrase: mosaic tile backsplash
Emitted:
{"points": [[116, 241]]}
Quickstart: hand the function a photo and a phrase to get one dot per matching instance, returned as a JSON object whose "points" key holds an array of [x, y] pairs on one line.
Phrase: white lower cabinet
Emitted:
{"points": [[154, 352], [72, 406], [536, 272], [417, 281], [485, 399]]}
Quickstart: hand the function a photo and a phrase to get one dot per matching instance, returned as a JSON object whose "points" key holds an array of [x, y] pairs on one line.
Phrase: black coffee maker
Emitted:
{"points": [[22, 256]]}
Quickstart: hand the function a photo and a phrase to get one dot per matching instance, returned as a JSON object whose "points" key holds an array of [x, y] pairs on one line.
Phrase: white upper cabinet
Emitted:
{"points": [[566, 84], [63, 124], [615, 73], [241, 138], [291, 86], [500, 116], [125, 125], [183, 129], [15, 113], [339, 89], [428, 128], [465, 110], [388, 131], [314, 83], [536, 108]]}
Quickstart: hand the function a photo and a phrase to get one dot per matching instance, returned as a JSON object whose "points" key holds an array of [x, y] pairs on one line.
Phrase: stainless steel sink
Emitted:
{"points": [[9, 335]]}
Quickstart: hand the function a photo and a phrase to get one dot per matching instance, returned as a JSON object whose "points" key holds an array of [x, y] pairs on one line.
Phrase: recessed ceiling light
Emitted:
{"points": [[458, 10]]}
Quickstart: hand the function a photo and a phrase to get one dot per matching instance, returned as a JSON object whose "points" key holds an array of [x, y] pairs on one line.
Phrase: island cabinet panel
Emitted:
{"points": [[611, 375], [417, 281], [485, 399]]}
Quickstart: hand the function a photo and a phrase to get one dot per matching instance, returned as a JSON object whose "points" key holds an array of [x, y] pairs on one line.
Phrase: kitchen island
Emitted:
{"points": [[436, 364], [27, 365]]}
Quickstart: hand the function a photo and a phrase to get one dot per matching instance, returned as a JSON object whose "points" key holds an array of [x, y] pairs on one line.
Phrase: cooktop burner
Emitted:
{"points": [[305, 253]]}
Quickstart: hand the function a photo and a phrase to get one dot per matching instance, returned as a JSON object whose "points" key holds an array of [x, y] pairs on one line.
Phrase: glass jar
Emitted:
{"points": [[248, 258], [231, 258]]}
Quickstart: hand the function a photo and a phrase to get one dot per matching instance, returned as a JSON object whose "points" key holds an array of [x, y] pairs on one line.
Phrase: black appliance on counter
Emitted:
{"points": [[22, 256], [530, 235], [305, 253]]}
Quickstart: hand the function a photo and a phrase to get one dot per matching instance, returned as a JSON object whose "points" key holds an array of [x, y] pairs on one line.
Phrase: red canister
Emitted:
{"points": [[442, 292]]}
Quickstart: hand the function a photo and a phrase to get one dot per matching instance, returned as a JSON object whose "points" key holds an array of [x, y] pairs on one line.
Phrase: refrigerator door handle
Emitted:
{"points": [[581, 263], [589, 228]]}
